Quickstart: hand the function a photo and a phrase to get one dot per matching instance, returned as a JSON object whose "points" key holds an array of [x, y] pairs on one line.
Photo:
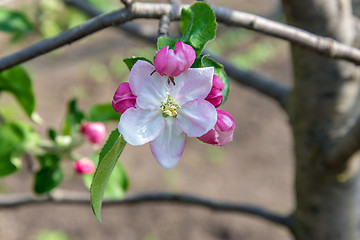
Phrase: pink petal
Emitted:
{"points": [[196, 118], [123, 98], [140, 126], [186, 53], [149, 87], [194, 83], [169, 146]]}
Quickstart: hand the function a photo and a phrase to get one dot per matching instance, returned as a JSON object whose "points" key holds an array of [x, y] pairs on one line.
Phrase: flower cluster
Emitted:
{"points": [[165, 103]]}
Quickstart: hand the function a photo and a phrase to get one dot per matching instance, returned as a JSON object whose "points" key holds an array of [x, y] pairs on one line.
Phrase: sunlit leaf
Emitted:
{"points": [[15, 23], [103, 112]]}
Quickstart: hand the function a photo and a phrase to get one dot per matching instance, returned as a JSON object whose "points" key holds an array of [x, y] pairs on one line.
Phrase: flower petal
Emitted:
{"points": [[147, 85], [194, 83], [196, 117], [169, 146], [140, 126]]}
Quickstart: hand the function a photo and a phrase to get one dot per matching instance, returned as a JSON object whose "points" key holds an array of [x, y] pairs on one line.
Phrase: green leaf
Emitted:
{"points": [[164, 41], [47, 179], [108, 157], [187, 18], [17, 82], [117, 184], [102, 113], [130, 62], [15, 23], [219, 71], [73, 119], [198, 24], [15, 139]]}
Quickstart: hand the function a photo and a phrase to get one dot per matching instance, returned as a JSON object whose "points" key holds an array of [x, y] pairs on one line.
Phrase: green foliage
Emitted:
{"points": [[15, 139], [17, 82], [102, 5], [198, 25], [164, 41], [51, 235], [103, 112], [50, 174], [130, 62], [118, 182], [15, 23], [73, 119], [108, 157], [219, 71]]}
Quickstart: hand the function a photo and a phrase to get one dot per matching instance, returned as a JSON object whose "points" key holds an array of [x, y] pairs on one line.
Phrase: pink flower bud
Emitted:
{"points": [[123, 98], [223, 131], [215, 95], [84, 166], [94, 131], [173, 62]]}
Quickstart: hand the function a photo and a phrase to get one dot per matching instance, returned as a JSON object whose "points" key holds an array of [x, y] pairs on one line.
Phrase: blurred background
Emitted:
{"points": [[255, 168]]}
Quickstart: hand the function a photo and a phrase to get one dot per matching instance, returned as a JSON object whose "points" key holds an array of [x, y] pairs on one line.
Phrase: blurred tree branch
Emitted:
{"points": [[71, 197]]}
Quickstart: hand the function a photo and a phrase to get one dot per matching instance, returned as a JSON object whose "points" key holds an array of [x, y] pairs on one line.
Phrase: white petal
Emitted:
{"points": [[194, 83], [196, 118], [147, 85], [140, 126], [169, 146]]}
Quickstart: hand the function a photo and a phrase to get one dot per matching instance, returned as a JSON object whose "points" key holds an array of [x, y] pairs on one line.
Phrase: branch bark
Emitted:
{"points": [[70, 197], [322, 45]]}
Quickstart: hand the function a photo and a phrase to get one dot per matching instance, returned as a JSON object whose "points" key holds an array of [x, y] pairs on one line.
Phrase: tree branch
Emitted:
{"points": [[322, 45], [70, 197], [262, 84]]}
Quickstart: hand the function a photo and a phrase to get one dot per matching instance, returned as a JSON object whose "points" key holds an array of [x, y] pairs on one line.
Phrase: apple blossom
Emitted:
{"points": [[223, 131], [173, 62], [165, 113], [123, 98], [215, 96], [93, 131], [84, 166]]}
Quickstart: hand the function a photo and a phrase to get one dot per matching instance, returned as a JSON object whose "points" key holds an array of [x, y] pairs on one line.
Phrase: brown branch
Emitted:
{"points": [[322, 45], [70, 197]]}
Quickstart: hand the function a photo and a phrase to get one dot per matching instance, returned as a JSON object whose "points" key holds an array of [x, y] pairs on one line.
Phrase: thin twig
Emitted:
{"points": [[164, 26], [69, 197]]}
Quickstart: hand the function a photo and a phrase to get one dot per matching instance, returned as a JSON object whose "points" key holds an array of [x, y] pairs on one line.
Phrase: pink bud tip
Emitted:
{"points": [[123, 98], [84, 166], [173, 62], [93, 131], [223, 131], [215, 96]]}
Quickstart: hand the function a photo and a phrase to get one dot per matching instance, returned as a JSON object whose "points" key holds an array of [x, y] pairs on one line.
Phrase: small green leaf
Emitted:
{"points": [[219, 71], [17, 82], [199, 26], [164, 41], [15, 23], [130, 62], [47, 179], [117, 184], [108, 157], [102, 113], [73, 119]]}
